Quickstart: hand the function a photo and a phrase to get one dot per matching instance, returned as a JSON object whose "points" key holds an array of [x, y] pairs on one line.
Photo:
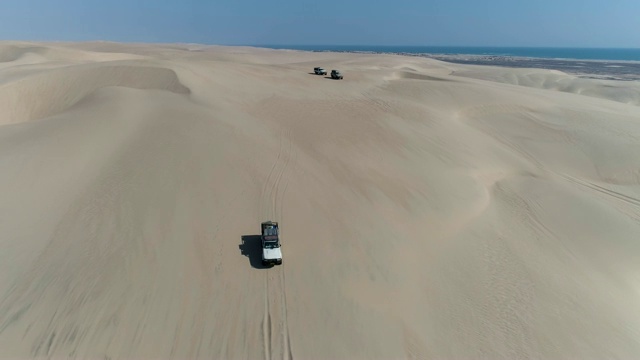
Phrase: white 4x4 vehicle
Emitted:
{"points": [[319, 71], [271, 253]]}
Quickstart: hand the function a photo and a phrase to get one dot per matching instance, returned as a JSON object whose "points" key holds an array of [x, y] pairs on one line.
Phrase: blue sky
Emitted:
{"points": [[564, 23]]}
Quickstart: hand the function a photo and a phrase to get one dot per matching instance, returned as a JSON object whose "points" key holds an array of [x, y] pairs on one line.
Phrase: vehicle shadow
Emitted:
{"points": [[251, 247], [330, 78]]}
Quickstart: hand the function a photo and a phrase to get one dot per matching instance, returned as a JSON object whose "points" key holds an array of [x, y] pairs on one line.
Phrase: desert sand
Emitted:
{"points": [[428, 210]]}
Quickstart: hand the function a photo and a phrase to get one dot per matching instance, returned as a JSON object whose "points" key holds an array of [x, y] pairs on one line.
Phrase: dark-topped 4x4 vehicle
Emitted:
{"points": [[271, 252], [335, 74]]}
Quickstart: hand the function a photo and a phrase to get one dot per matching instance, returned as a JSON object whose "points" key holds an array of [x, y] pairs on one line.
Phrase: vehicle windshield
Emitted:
{"points": [[271, 244]]}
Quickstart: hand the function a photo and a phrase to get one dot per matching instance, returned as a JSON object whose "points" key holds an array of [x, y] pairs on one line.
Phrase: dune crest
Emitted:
{"points": [[51, 92], [627, 92]]}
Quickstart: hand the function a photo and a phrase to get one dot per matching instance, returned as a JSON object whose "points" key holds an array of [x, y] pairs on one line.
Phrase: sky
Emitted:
{"points": [[552, 23]]}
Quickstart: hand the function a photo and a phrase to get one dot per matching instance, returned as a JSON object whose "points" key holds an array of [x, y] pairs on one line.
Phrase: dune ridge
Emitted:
{"points": [[627, 92], [50, 92]]}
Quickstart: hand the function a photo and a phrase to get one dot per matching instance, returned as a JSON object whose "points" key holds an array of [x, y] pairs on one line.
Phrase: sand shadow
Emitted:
{"points": [[330, 78], [251, 247], [415, 76]]}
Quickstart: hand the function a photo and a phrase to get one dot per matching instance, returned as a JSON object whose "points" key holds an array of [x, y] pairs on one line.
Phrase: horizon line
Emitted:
{"points": [[463, 46], [324, 45]]}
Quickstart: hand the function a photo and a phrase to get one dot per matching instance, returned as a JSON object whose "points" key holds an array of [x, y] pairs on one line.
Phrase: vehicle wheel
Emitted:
{"points": [[264, 263]]}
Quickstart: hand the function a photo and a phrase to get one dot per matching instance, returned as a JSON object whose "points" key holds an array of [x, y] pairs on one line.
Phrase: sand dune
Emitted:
{"points": [[620, 91], [428, 210], [50, 92]]}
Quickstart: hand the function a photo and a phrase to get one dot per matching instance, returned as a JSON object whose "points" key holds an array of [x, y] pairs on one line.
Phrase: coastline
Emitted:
{"points": [[619, 70]]}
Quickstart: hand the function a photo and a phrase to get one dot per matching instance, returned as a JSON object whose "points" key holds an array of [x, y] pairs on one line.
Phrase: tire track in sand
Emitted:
{"points": [[266, 323], [275, 327]]}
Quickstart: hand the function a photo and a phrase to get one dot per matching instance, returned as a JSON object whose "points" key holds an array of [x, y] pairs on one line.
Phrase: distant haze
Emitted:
{"points": [[565, 23]]}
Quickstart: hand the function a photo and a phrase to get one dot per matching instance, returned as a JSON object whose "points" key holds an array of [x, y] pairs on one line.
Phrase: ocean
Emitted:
{"points": [[528, 52]]}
